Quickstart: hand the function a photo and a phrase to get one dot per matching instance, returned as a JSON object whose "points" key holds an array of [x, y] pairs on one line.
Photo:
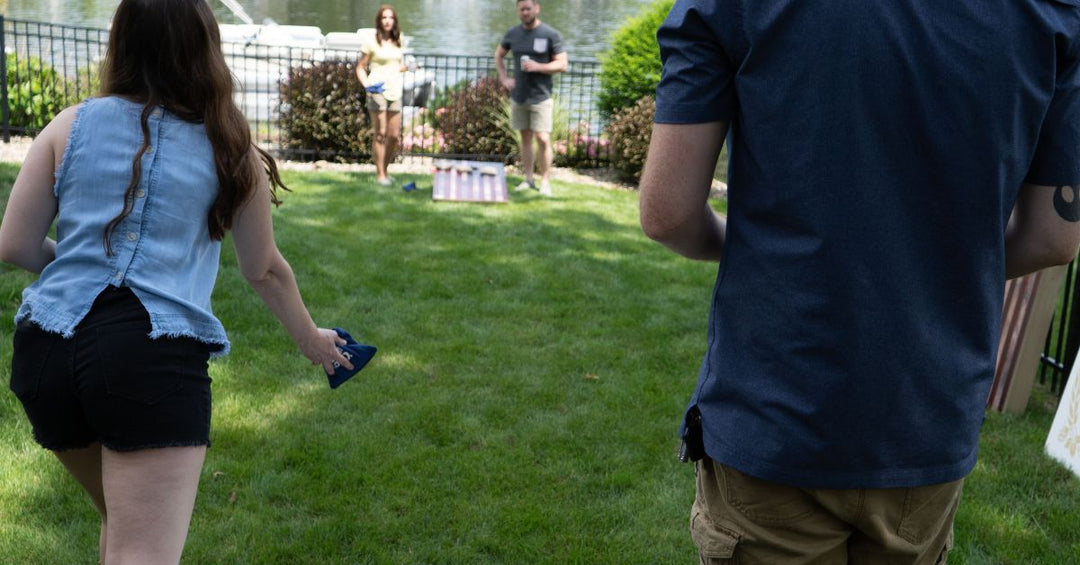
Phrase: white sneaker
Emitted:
{"points": [[525, 185], [545, 188], [385, 182]]}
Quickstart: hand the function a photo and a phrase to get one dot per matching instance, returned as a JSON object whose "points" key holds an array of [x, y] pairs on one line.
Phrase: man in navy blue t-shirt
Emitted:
{"points": [[891, 164]]}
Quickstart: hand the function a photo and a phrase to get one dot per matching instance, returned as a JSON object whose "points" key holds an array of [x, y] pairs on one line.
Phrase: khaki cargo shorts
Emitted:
{"points": [[739, 519], [533, 117]]}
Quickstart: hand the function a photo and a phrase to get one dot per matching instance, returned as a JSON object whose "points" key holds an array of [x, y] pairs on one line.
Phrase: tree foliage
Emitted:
{"points": [[630, 68]]}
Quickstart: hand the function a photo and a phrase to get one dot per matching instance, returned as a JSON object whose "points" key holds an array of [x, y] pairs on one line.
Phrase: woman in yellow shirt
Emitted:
{"points": [[380, 71]]}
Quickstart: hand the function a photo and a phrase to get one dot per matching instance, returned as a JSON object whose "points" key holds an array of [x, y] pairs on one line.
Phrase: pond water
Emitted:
{"points": [[451, 27]]}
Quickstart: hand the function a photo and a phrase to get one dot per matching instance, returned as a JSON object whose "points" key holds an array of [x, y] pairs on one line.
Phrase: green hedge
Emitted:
{"points": [[37, 92], [630, 69]]}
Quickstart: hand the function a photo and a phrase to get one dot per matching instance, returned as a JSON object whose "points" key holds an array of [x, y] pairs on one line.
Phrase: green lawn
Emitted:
{"points": [[534, 361]]}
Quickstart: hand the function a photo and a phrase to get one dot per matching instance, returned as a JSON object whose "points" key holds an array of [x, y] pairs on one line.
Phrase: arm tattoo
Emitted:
{"points": [[1069, 210]]}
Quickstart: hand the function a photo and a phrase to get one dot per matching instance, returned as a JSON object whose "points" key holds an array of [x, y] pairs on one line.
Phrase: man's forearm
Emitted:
{"points": [[1044, 229], [674, 189], [701, 238], [500, 65]]}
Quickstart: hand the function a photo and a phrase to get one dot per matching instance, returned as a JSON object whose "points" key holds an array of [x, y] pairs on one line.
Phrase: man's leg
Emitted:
{"points": [[542, 117], [527, 161], [521, 122], [543, 143]]}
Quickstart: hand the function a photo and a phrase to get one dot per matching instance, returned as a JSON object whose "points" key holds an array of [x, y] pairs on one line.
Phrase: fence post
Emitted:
{"points": [[4, 84], [1071, 311]]}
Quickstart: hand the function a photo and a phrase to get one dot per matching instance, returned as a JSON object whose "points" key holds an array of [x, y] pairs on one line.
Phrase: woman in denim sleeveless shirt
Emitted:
{"points": [[111, 347]]}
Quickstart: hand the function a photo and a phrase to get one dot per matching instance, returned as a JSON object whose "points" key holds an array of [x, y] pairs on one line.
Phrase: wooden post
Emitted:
{"points": [[1029, 308]]}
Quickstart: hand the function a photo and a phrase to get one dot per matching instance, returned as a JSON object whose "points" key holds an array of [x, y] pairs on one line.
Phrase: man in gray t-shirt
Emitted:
{"points": [[538, 54]]}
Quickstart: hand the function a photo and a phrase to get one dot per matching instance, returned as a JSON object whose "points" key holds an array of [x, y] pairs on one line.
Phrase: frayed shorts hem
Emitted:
{"points": [[125, 448]]}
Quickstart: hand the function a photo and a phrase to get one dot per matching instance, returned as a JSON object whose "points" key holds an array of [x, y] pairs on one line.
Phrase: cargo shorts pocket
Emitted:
{"points": [[716, 544], [765, 502], [927, 510], [141, 369], [31, 350]]}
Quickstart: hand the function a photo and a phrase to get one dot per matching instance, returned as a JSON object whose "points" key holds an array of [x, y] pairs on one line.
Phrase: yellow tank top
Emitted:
{"points": [[385, 61]]}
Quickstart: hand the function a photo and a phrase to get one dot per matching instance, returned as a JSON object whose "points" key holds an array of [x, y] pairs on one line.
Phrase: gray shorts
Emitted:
{"points": [[534, 117]]}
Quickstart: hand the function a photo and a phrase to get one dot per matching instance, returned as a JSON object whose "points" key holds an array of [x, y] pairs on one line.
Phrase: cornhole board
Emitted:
{"points": [[469, 181], [1028, 311], [1063, 444]]}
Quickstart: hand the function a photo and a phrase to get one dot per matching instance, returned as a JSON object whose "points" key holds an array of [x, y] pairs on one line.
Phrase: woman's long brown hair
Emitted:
{"points": [[394, 34], [168, 53]]}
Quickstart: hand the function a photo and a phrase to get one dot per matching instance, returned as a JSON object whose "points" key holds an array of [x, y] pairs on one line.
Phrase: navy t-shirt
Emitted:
{"points": [[876, 151]]}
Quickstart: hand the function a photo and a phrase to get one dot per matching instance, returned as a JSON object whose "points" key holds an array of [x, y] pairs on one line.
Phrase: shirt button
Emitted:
{"points": [[119, 275], [149, 148], [132, 236], [141, 193]]}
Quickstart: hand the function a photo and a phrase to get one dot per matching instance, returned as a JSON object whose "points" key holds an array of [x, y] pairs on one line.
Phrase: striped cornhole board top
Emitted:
{"points": [[469, 181]]}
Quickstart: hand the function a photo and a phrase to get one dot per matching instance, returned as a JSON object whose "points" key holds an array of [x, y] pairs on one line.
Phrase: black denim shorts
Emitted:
{"points": [[111, 383]]}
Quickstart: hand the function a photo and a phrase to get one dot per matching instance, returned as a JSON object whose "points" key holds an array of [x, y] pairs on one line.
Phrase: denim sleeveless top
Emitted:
{"points": [[162, 250]]}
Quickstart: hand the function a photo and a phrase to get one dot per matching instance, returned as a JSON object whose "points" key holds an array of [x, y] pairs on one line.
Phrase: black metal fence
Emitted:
{"points": [[1063, 341], [50, 66], [47, 68]]}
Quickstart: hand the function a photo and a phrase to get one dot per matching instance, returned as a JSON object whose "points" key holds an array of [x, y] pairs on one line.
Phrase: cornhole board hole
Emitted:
{"points": [[469, 181]]}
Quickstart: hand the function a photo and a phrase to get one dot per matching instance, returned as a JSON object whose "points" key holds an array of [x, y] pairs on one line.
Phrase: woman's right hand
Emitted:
{"points": [[321, 348]]}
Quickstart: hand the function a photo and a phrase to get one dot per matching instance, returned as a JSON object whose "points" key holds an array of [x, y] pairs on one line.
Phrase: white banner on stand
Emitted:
{"points": [[1064, 441]]}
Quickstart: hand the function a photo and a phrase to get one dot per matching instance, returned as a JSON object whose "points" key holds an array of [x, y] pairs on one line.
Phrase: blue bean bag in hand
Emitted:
{"points": [[357, 353]]}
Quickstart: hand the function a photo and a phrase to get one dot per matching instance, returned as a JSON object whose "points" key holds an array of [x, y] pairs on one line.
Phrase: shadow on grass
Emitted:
{"points": [[527, 364], [534, 361]]}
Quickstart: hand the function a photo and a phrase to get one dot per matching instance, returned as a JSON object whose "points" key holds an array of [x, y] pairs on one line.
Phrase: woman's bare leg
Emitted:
{"points": [[150, 495], [393, 138], [85, 465], [378, 143]]}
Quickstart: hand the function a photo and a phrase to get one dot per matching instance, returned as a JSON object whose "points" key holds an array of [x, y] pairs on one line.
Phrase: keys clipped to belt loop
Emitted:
{"points": [[693, 446]]}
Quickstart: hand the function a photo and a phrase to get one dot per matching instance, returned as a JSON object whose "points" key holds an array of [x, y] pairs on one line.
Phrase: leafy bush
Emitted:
{"points": [[442, 98], [629, 132], [630, 69], [484, 102], [575, 146], [37, 92], [476, 120], [324, 113]]}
